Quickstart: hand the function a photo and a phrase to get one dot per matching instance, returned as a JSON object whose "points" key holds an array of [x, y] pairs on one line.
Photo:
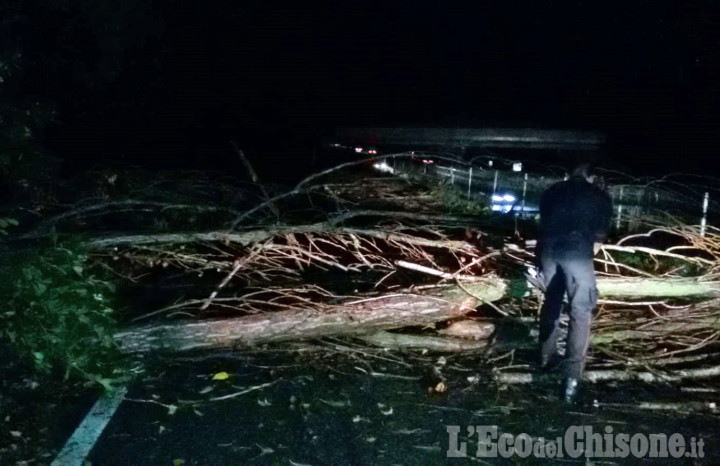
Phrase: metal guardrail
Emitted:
{"points": [[635, 205]]}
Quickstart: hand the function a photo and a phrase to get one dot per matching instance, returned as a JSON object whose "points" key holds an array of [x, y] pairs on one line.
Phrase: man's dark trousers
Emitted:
{"points": [[567, 267]]}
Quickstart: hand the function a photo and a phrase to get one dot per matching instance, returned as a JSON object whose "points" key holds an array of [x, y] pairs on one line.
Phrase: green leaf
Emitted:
{"points": [[58, 321], [40, 288]]}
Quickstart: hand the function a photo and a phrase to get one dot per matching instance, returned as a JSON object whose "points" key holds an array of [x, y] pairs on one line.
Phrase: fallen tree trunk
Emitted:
{"points": [[364, 316], [649, 287], [259, 235], [367, 316], [401, 341], [597, 376], [656, 329], [641, 287], [680, 407]]}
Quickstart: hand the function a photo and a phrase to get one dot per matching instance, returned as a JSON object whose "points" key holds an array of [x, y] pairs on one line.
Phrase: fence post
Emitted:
{"points": [[469, 182], [495, 183], [703, 222], [619, 209], [522, 206]]}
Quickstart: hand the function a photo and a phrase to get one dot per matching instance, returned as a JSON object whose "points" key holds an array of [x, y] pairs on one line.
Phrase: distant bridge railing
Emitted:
{"points": [[637, 203]]}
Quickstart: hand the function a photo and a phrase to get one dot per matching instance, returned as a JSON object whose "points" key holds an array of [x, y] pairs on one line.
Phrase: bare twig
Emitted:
{"points": [[434, 272], [238, 263], [255, 179]]}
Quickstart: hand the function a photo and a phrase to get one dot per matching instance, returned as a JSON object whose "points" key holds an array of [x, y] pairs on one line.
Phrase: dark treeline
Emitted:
{"points": [[168, 84]]}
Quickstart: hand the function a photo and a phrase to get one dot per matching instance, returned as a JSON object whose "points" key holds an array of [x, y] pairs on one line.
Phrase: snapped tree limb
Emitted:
{"points": [[358, 317]]}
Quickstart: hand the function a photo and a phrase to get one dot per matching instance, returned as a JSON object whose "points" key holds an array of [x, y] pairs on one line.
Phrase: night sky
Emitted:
{"points": [[160, 81]]}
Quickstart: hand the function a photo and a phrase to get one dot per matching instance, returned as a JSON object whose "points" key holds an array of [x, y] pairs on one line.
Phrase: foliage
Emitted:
{"points": [[61, 61], [57, 313], [6, 222], [658, 265], [456, 202]]}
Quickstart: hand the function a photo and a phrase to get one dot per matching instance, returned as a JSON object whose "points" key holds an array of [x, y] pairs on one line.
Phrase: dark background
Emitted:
{"points": [[169, 83]]}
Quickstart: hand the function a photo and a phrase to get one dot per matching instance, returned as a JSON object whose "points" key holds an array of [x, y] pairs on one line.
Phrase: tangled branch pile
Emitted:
{"points": [[381, 254], [657, 334]]}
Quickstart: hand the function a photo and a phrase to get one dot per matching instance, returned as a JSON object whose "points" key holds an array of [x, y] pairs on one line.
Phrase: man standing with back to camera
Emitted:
{"points": [[574, 215]]}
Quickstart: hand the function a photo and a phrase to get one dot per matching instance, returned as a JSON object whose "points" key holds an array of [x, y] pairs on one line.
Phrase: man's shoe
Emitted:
{"points": [[571, 388], [549, 362]]}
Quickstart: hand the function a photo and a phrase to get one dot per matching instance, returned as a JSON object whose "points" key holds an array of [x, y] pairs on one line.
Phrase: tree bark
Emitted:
{"points": [[615, 375], [258, 235], [365, 316], [368, 316], [641, 287], [439, 344]]}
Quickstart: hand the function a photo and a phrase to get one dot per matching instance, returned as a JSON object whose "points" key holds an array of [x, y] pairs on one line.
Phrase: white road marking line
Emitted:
{"points": [[80, 443]]}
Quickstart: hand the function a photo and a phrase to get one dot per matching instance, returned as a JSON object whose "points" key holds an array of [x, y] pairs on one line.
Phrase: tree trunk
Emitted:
{"points": [[368, 316], [359, 317], [256, 236], [616, 375], [438, 344], [641, 287]]}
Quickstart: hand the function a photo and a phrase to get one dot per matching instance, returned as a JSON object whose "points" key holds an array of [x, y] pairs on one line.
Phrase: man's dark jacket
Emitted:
{"points": [[573, 215]]}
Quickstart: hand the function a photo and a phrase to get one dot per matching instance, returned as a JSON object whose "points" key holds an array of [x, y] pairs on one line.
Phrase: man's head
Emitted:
{"points": [[584, 171]]}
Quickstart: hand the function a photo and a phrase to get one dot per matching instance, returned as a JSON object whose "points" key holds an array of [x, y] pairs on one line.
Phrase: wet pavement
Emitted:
{"points": [[351, 405]]}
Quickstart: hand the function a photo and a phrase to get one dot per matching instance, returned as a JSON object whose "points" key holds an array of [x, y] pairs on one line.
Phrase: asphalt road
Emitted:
{"points": [[352, 408]]}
